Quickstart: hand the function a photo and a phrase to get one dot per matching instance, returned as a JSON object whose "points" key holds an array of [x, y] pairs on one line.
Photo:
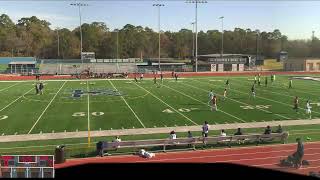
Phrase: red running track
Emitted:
{"points": [[267, 156]]}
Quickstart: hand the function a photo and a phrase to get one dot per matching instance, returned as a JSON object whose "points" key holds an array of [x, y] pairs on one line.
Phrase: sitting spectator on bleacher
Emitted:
{"points": [[223, 133], [239, 132], [146, 154], [118, 140], [279, 130], [173, 135], [267, 130]]}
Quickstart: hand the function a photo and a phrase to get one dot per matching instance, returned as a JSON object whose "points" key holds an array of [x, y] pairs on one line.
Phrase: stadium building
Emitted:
{"points": [[226, 62], [300, 64]]}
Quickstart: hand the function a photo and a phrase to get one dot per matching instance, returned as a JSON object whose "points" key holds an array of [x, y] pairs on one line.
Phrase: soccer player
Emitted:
{"points": [[141, 76], [210, 96], [161, 76], [308, 109], [266, 81], [172, 74], [259, 80], [155, 80], [253, 91], [214, 103], [290, 84], [41, 87], [176, 76], [272, 79], [228, 83], [135, 78], [255, 79], [37, 88], [296, 103], [224, 94]]}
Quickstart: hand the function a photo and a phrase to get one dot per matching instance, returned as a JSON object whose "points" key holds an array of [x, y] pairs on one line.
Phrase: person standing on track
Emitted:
{"points": [[205, 129], [296, 104]]}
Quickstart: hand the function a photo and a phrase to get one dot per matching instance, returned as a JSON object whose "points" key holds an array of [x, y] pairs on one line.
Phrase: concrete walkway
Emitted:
{"points": [[122, 132]]}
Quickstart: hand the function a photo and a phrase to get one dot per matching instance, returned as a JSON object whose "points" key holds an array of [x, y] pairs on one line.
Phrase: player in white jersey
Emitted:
{"points": [[224, 94], [210, 96], [308, 109]]}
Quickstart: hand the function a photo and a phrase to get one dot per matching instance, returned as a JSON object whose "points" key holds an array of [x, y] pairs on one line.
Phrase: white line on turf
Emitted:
{"points": [[88, 109], [167, 104], [243, 102], [46, 108], [9, 87], [15, 100], [203, 103], [128, 106]]}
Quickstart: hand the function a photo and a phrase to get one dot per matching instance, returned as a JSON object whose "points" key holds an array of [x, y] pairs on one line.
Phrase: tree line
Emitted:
{"points": [[31, 36]]}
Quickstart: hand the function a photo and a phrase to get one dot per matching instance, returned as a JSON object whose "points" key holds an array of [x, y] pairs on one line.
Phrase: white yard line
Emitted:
{"points": [[46, 108], [239, 101], [15, 100], [88, 108], [129, 106], [204, 103], [9, 87], [167, 105]]}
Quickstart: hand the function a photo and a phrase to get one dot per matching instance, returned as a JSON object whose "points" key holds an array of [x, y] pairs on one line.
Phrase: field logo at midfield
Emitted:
{"points": [[256, 107], [104, 92]]}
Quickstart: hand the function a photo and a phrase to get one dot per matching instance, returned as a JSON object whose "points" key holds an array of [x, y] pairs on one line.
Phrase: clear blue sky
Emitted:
{"points": [[296, 19]]}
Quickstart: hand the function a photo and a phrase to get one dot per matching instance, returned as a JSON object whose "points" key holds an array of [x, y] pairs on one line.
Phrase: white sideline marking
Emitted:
{"points": [[167, 105], [128, 106], [46, 108], [9, 87], [243, 102], [15, 100], [203, 103]]}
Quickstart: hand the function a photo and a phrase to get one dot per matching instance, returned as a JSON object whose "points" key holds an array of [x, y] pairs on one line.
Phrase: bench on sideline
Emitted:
{"points": [[192, 142]]}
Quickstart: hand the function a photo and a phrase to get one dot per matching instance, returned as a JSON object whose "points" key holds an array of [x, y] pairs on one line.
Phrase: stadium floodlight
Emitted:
{"points": [[159, 32], [193, 23], [196, 2], [80, 5], [222, 32]]}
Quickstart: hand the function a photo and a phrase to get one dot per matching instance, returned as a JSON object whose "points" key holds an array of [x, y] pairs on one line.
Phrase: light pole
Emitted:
{"points": [[159, 5], [196, 21], [116, 30], [58, 42], [79, 5], [221, 35], [257, 44], [192, 40]]}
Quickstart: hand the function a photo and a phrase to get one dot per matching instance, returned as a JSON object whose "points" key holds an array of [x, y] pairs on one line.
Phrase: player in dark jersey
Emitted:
{"points": [[161, 77], [36, 86], [176, 76], [155, 80], [296, 104], [228, 84], [259, 81], [214, 103], [41, 87], [266, 81], [135, 78], [253, 91]]}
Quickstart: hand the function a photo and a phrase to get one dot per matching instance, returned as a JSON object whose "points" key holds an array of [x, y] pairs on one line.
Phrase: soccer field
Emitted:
{"points": [[66, 105]]}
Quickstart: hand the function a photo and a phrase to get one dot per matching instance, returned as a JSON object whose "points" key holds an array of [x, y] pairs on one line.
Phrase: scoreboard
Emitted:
{"points": [[27, 166]]}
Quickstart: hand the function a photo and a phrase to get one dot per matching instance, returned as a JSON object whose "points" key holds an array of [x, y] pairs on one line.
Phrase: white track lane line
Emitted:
{"points": [[46, 108], [128, 106]]}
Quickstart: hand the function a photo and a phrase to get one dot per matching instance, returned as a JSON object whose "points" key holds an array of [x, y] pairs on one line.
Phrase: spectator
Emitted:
{"points": [[296, 158], [239, 132], [205, 129], [189, 134], [279, 130], [223, 133], [118, 140], [145, 154], [173, 135], [267, 130]]}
